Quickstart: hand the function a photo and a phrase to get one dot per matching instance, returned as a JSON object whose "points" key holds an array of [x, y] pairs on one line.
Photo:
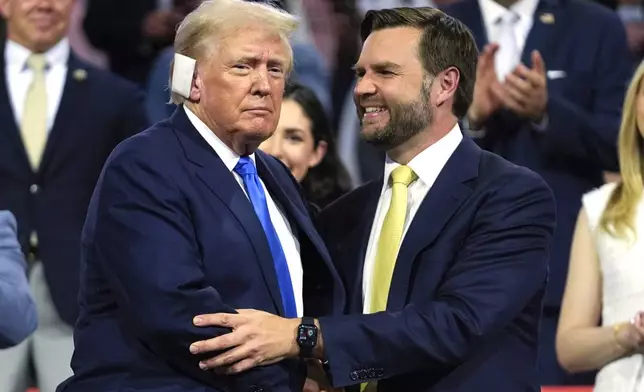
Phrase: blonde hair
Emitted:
{"points": [[619, 214], [214, 20]]}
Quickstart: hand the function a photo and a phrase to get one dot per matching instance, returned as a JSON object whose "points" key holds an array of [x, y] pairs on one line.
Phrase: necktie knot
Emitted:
{"points": [[245, 166], [37, 62], [509, 18], [403, 175]]}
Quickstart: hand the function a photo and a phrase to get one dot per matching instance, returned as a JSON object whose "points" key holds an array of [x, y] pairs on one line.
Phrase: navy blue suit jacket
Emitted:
{"points": [[588, 43], [97, 111], [170, 234], [467, 289]]}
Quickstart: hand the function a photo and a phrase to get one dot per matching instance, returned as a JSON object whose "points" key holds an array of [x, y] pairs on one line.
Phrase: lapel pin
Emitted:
{"points": [[80, 75], [547, 18]]}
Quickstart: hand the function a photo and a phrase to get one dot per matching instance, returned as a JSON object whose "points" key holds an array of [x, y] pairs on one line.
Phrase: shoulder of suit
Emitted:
{"points": [[496, 169], [103, 78], [584, 11], [158, 143]]}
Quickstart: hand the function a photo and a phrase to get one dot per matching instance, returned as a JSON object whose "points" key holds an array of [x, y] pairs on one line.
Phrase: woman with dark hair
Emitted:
{"points": [[304, 142]]}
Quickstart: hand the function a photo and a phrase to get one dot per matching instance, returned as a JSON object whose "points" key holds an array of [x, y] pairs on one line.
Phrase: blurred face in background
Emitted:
{"points": [[37, 24], [293, 142]]}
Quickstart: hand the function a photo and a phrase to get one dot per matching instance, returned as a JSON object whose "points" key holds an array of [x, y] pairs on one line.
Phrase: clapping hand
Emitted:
{"points": [[525, 90]]}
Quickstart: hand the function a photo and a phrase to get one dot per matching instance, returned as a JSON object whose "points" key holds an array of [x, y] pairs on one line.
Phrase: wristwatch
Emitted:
{"points": [[307, 337]]}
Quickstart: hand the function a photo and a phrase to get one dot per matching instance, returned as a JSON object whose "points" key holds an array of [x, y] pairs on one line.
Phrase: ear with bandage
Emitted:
{"points": [[183, 72]]}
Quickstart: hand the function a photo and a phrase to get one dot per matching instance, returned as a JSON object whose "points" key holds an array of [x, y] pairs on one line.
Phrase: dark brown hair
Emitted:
{"points": [[445, 42], [329, 179]]}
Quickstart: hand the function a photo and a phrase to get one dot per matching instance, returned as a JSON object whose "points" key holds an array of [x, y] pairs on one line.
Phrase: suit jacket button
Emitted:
{"points": [[354, 376], [371, 373], [362, 374], [34, 188], [380, 372]]}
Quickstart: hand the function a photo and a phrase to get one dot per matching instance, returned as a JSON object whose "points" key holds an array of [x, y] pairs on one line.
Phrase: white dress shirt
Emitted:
{"points": [[19, 77], [290, 243], [427, 165], [492, 11]]}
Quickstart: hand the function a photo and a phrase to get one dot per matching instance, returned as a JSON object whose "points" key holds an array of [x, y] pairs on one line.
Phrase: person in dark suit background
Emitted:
{"points": [[550, 84], [188, 217], [59, 120], [445, 258]]}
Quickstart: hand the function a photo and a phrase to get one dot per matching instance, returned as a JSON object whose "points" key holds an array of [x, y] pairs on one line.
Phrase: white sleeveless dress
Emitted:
{"points": [[622, 269]]}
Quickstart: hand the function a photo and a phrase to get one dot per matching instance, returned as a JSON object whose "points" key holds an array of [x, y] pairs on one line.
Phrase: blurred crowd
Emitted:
{"points": [[106, 70]]}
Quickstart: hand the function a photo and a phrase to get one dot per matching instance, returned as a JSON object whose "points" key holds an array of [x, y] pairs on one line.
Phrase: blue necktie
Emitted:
{"points": [[246, 169]]}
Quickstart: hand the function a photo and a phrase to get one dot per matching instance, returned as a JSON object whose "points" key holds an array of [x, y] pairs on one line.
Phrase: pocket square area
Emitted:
{"points": [[556, 74]]}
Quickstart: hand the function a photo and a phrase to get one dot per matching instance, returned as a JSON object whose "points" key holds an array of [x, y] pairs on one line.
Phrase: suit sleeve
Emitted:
{"points": [[502, 264], [590, 133], [145, 243], [18, 318]]}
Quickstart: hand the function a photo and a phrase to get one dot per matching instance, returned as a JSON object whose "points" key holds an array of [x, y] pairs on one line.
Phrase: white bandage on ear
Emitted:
{"points": [[182, 73]]}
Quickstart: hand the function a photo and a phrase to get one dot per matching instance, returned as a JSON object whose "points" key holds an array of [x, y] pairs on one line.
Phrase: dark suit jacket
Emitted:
{"points": [[467, 289], [95, 114], [170, 234], [588, 43]]}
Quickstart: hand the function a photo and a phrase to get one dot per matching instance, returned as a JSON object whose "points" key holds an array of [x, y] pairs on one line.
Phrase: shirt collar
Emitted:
{"points": [[428, 164], [492, 11], [16, 55], [227, 155]]}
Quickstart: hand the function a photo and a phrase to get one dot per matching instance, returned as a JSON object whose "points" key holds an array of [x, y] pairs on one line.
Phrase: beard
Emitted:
{"points": [[406, 120]]}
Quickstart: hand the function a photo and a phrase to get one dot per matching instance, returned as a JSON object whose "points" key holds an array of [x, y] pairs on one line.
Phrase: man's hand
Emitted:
{"points": [[485, 102], [525, 90], [257, 338]]}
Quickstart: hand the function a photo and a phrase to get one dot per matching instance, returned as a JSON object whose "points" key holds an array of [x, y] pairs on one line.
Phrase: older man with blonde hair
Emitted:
{"points": [[188, 218]]}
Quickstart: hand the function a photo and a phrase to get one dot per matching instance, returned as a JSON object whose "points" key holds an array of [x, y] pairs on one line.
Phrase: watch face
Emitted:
{"points": [[307, 335]]}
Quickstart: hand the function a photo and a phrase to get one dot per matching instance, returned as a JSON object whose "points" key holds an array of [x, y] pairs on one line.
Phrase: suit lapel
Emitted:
{"points": [[216, 176], [357, 240], [441, 202], [291, 202], [547, 22], [10, 125], [70, 101]]}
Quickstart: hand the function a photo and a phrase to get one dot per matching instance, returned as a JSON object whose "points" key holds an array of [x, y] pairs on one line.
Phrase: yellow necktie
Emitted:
{"points": [[388, 244], [390, 238], [34, 120]]}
